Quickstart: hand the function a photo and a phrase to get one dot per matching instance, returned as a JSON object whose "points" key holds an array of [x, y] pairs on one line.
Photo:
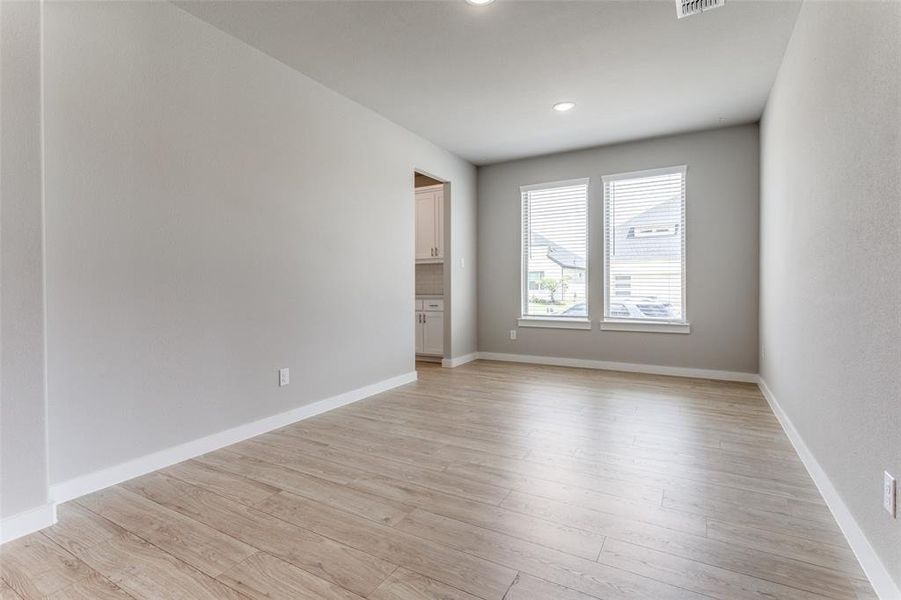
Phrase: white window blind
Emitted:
{"points": [[644, 245], [555, 250]]}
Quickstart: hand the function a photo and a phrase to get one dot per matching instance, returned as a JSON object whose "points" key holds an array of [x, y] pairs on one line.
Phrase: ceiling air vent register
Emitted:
{"points": [[687, 8]]}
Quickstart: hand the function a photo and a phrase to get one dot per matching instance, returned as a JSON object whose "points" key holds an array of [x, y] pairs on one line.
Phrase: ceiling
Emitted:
{"points": [[480, 81]]}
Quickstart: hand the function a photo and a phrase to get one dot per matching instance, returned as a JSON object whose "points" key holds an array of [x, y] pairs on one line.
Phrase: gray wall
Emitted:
{"points": [[831, 251], [722, 258], [23, 472], [213, 215]]}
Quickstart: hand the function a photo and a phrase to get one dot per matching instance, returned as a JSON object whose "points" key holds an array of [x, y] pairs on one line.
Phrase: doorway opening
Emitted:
{"points": [[432, 281]]}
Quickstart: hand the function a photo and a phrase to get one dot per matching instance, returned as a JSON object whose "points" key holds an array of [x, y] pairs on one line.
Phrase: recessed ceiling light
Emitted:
{"points": [[564, 106], [479, 2]]}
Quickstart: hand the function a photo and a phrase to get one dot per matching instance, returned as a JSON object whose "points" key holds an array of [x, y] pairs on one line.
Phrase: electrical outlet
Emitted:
{"points": [[512, 334], [888, 494], [284, 377]]}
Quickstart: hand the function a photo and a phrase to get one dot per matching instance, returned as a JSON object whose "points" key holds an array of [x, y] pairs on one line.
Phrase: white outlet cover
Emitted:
{"points": [[284, 377], [512, 334], [888, 494]]}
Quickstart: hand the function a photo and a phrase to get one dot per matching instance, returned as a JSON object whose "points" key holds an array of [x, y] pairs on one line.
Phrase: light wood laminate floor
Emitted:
{"points": [[492, 480]]}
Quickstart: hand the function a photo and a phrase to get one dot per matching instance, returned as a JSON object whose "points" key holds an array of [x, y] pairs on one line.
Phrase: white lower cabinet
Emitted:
{"points": [[418, 331], [430, 332], [433, 333]]}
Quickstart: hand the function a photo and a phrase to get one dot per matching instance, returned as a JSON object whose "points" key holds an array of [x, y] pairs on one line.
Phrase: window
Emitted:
{"points": [[644, 246], [555, 251]]}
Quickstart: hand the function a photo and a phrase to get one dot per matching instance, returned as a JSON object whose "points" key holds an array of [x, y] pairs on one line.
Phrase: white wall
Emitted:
{"points": [[23, 471], [199, 194], [721, 259], [831, 251]]}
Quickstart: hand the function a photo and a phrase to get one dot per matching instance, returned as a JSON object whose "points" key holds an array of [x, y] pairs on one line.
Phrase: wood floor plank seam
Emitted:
{"points": [[601, 549], [512, 583]]}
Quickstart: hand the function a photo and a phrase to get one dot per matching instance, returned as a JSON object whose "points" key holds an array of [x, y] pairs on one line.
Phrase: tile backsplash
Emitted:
{"points": [[429, 279]]}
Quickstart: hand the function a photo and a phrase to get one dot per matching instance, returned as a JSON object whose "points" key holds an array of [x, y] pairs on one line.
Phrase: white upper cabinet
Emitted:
{"points": [[430, 224]]}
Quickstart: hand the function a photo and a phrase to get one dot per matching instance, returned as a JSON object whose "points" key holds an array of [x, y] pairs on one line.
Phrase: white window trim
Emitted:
{"points": [[554, 322], [645, 326], [613, 324], [554, 184]]}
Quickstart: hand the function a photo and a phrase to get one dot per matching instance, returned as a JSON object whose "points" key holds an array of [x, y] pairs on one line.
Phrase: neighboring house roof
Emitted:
{"points": [[629, 245], [561, 255]]}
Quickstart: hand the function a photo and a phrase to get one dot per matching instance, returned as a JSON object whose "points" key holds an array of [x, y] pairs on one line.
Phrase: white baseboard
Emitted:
{"points": [[879, 577], [85, 484], [619, 366], [460, 360], [27, 521]]}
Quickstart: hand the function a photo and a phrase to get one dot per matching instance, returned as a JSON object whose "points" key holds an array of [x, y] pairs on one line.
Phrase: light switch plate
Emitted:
{"points": [[284, 377], [888, 494], [512, 334]]}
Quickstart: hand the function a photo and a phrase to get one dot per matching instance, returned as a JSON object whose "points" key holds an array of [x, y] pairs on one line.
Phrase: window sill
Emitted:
{"points": [[558, 323], [645, 327]]}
